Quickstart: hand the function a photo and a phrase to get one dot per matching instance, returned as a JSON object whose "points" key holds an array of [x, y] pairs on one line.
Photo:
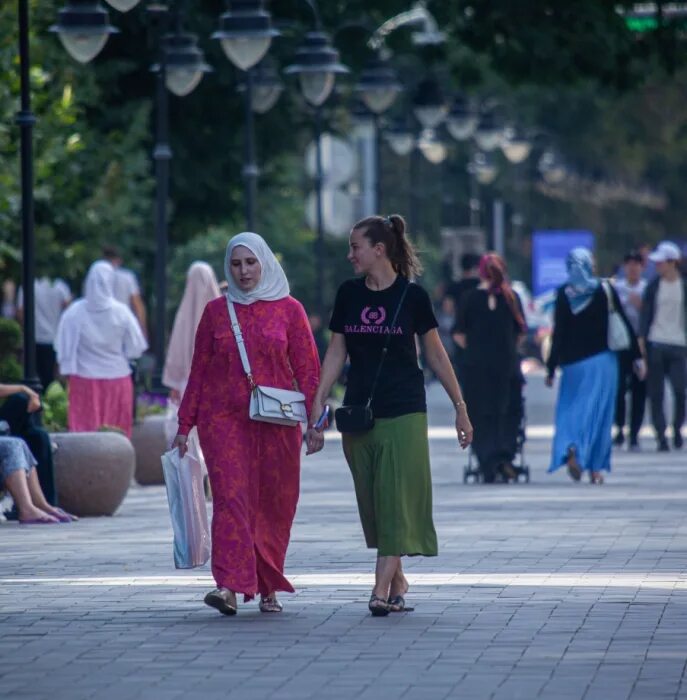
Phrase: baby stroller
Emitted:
{"points": [[518, 421]]}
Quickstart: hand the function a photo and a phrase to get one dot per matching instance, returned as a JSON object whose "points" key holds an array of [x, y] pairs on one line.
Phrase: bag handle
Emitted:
{"points": [[609, 296], [385, 349], [236, 329]]}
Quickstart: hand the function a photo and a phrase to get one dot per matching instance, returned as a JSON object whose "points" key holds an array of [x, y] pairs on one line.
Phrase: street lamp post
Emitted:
{"points": [[246, 34], [317, 65], [26, 119], [83, 27], [482, 171], [162, 155], [180, 69], [378, 88]]}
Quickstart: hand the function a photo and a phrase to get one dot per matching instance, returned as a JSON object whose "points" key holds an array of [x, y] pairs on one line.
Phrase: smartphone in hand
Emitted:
{"points": [[323, 420]]}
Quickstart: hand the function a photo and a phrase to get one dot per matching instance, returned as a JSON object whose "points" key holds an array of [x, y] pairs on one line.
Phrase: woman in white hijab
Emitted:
{"points": [[96, 338], [201, 288], [254, 467]]}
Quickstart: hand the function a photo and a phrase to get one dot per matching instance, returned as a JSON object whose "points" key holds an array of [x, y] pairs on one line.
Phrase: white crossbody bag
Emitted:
{"points": [[618, 335], [268, 404]]}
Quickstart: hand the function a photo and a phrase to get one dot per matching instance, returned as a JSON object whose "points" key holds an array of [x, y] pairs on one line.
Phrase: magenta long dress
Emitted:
{"points": [[254, 467]]}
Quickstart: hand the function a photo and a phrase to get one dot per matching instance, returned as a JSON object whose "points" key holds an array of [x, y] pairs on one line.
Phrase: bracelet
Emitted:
{"points": [[458, 404]]}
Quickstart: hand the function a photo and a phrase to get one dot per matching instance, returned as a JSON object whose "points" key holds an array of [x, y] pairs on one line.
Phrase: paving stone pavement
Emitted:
{"points": [[546, 590]]}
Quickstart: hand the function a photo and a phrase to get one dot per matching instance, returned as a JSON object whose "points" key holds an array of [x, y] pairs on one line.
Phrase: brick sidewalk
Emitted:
{"points": [[552, 589]]}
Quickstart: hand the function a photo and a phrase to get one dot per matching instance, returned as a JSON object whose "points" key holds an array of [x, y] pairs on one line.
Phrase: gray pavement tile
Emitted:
{"points": [[582, 596]]}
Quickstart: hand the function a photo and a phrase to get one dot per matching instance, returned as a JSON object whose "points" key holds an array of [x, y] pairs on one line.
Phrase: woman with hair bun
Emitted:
{"points": [[376, 317], [490, 323]]}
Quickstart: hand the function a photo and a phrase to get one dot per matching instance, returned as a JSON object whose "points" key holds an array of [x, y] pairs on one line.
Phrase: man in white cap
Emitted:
{"points": [[663, 338]]}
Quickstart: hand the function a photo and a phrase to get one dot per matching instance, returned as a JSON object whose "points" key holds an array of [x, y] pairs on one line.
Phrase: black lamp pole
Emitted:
{"points": [[250, 168], [319, 241], [162, 154], [378, 161], [26, 119], [414, 177]]}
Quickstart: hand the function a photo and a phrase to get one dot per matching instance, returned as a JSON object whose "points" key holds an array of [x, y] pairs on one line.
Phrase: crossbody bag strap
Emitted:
{"points": [[609, 295], [236, 329], [385, 349]]}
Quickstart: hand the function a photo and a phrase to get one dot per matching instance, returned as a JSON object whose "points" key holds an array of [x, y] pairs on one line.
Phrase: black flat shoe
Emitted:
{"points": [[378, 607], [397, 604]]}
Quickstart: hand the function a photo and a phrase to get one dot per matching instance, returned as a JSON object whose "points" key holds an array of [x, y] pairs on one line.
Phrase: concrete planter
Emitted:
{"points": [[93, 471], [149, 442]]}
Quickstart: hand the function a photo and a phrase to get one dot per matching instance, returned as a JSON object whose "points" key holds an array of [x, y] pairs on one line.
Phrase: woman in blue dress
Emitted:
{"points": [[589, 370]]}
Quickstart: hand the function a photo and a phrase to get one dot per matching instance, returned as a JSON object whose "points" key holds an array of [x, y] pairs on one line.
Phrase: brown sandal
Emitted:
{"points": [[378, 607], [397, 604], [270, 604], [574, 469], [222, 599]]}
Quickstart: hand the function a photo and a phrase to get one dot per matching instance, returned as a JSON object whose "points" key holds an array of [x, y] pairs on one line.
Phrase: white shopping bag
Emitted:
{"points": [[172, 428], [184, 482], [171, 421]]}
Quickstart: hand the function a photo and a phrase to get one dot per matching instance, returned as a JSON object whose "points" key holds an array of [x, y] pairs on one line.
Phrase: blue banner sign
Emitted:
{"points": [[549, 251]]}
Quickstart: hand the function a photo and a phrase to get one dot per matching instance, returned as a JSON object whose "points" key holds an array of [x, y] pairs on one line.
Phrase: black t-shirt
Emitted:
{"points": [[364, 317], [491, 335]]}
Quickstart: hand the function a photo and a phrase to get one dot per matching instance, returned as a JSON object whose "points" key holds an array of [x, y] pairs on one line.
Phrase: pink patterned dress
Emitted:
{"points": [[254, 467]]}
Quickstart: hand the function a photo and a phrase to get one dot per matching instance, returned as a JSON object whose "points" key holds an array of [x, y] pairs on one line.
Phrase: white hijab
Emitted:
{"points": [[201, 288], [273, 284], [99, 310], [99, 286]]}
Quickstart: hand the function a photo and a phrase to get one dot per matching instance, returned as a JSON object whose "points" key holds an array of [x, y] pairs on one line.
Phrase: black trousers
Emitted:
{"points": [[629, 382], [667, 362], [25, 425], [45, 363], [495, 440]]}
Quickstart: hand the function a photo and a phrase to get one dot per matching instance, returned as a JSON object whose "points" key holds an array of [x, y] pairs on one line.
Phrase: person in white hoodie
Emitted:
{"points": [[96, 338]]}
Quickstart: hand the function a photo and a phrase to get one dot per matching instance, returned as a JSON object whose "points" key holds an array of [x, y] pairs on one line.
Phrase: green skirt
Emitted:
{"points": [[393, 485]]}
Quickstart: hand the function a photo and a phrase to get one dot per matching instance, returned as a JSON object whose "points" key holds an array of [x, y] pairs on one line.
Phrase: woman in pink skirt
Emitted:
{"points": [[96, 338]]}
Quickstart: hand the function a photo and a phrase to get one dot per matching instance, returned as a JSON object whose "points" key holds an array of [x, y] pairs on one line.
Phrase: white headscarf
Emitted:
{"points": [[201, 287], [99, 286], [273, 284], [98, 319]]}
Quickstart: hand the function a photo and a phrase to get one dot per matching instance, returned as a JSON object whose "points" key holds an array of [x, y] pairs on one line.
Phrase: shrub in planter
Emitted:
{"points": [[93, 471], [55, 403], [149, 441], [10, 344]]}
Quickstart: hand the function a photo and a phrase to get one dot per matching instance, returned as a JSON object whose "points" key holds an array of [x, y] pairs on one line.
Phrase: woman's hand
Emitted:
{"points": [[314, 441], [463, 427], [34, 399], [181, 443], [639, 367], [314, 438], [174, 395]]}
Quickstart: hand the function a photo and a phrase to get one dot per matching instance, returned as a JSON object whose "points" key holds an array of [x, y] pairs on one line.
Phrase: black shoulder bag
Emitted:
{"points": [[360, 419]]}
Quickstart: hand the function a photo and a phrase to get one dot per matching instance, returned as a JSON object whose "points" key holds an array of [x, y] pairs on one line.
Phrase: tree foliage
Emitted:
{"points": [[610, 102]]}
